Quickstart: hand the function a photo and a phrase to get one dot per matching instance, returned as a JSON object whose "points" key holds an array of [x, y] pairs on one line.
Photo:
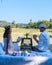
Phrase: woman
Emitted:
{"points": [[8, 44], [7, 38]]}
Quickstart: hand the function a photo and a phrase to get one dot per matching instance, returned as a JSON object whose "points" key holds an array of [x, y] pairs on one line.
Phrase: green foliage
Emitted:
{"points": [[29, 25], [50, 19]]}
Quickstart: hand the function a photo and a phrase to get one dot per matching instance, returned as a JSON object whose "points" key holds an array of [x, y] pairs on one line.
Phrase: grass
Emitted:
{"points": [[22, 31]]}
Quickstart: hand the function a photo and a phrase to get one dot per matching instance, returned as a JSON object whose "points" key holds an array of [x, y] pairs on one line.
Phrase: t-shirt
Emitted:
{"points": [[44, 41]]}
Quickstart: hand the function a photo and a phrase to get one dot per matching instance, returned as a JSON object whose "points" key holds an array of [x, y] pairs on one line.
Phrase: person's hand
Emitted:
{"points": [[19, 39], [34, 36]]}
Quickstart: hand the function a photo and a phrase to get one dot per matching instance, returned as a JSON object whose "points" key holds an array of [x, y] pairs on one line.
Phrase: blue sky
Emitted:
{"points": [[23, 10]]}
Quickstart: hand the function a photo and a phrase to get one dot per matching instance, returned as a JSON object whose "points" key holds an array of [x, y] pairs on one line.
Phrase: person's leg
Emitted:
{"points": [[35, 48]]}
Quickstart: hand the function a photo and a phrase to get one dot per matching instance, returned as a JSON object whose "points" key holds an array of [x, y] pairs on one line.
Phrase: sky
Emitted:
{"points": [[21, 11]]}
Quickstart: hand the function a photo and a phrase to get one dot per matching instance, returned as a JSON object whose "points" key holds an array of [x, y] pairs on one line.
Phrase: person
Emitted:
{"points": [[44, 40], [1, 49], [8, 43]]}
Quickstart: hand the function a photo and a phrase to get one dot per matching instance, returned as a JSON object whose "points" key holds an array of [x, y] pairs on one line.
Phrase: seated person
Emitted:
{"points": [[8, 44], [44, 39]]}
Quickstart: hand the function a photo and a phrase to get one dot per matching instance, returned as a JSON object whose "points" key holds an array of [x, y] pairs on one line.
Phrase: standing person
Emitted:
{"points": [[8, 44], [7, 38], [44, 39]]}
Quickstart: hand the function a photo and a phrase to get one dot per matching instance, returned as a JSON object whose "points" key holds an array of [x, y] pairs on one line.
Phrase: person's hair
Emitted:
{"points": [[7, 31]]}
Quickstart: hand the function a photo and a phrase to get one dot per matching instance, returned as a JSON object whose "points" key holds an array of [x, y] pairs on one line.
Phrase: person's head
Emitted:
{"points": [[7, 31], [42, 27]]}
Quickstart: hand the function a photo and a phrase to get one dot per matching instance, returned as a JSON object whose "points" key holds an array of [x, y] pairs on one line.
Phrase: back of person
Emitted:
{"points": [[7, 38], [44, 41], [10, 45]]}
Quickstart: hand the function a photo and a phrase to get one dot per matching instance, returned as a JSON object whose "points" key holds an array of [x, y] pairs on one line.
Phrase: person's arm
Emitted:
{"points": [[35, 38], [18, 40], [15, 41]]}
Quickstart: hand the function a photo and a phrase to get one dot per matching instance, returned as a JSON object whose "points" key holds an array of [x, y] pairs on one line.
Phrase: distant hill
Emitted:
{"points": [[4, 23]]}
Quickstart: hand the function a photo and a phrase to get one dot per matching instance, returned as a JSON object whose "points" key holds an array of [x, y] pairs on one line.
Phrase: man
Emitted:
{"points": [[44, 39]]}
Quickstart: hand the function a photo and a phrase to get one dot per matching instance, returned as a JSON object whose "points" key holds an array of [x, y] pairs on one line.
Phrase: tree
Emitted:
{"points": [[50, 19], [13, 24]]}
